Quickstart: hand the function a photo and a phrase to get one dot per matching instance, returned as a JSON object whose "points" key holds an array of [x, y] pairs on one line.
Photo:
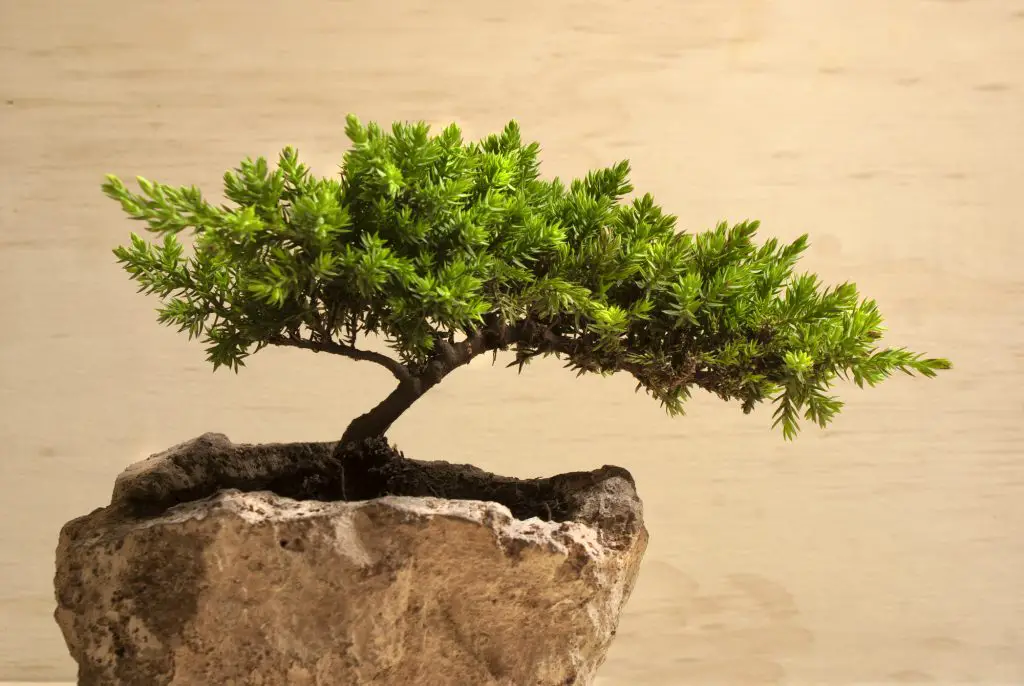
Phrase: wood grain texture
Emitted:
{"points": [[887, 549]]}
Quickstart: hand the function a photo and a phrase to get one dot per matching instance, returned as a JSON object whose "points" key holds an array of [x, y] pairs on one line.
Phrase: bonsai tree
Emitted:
{"points": [[448, 250]]}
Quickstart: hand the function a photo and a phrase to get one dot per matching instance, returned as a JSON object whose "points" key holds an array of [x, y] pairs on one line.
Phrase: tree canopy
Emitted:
{"points": [[447, 248]]}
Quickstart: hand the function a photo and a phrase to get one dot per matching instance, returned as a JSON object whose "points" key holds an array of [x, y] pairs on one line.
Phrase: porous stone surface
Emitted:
{"points": [[198, 573]]}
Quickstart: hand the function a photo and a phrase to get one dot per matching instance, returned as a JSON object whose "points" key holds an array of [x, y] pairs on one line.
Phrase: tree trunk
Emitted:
{"points": [[450, 356], [376, 422]]}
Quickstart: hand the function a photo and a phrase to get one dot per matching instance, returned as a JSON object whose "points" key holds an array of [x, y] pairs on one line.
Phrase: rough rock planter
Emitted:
{"points": [[234, 564]]}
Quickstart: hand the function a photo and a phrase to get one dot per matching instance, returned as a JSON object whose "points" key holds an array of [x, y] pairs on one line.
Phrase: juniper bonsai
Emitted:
{"points": [[448, 249]]}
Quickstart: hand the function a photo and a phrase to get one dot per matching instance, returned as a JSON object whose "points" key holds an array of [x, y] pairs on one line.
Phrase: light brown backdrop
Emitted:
{"points": [[886, 549]]}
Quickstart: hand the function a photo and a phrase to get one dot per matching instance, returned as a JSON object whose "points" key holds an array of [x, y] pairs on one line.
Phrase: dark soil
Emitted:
{"points": [[371, 469], [375, 469]]}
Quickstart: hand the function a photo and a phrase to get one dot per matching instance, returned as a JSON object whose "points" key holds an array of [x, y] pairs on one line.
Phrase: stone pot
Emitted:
{"points": [[218, 563]]}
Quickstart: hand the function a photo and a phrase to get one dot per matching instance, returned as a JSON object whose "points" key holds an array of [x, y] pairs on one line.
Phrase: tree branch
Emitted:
{"points": [[544, 340], [493, 336], [397, 369], [449, 356]]}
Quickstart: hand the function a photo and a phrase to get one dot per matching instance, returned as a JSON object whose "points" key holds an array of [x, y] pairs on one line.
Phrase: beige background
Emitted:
{"points": [[887, 549]]}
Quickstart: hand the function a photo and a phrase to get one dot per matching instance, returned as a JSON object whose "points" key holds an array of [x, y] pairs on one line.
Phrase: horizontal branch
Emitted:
{"points": [[496, 335], [544, 340], [449, 356], [397, 369]]}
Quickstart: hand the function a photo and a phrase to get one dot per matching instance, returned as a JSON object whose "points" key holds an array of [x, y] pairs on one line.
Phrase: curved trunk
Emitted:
{"points": [[376, 422], [449, 357]]}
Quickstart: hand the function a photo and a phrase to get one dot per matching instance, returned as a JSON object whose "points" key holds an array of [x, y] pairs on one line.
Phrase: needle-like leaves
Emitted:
{"points": [[425, 237]]}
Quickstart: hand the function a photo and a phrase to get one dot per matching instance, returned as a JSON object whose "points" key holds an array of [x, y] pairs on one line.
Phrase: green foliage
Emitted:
{"points": [[425, 237]]}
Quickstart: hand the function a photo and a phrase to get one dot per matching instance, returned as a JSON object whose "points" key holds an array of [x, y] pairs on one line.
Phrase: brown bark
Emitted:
{"points": [[377, 421], [449, 357]]}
